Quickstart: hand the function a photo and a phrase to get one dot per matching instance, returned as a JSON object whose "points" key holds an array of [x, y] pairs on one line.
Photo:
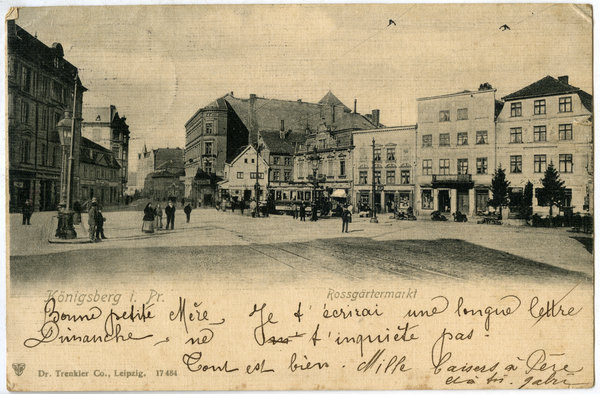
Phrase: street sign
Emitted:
{"points": [[380, 187]]}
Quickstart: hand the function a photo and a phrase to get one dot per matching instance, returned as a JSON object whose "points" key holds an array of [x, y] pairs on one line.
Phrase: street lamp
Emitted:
{"points": [[65, 229], [374, 210], [257, 185], [314, 159]]}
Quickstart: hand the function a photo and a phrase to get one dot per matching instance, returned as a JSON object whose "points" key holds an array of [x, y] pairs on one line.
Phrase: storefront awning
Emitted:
{"points": [[339, 193]]}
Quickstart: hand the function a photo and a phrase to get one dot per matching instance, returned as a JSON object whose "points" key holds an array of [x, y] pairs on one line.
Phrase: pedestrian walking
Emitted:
{"points": [[148, 221], [302, 213], [188, 211], [26, 210], [313, 213], [158, 212], [92, 215], [100, 219], [170, 212], [346, 217], [253, 207], [182, 202], [233, 206], [295, 211], [242, 206]]}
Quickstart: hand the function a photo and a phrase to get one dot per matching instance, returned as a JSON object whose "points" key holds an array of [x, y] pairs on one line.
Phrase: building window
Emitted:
{"points": [[260, 175], [568, 196], [463, 166], [565, 132], [25, 155], [463, 139], [539, 107], [26, 79], [444, 116], [444, 166], [427, 167], [539, 133], [276, 175], [300, 170], [427, 140], [246, 161], [565, 163], [515, 110], [405, 177], [391, 154], [240, 175], [516, 164], [377, 175], [362, 177], [342, 168], [482, 137], [276, 160], [462, 114], [330, 168], [516, 135], [390, 178], [377, 154], [44, 119], [287, 161], [287, 175], [564, 104], [539, 163], [24, 112], [208, 148], [426, 199], [445, 139], [482, 165], [208, 127]]}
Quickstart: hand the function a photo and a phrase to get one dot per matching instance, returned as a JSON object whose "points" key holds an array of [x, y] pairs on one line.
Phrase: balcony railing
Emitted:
{"points": [[455, 178]]}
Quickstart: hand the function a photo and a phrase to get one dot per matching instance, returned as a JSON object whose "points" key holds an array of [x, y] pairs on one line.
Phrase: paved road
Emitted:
{"points": [[241, 251]]}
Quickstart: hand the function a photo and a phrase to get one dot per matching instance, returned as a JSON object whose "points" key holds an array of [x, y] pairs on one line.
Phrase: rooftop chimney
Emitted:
{"points": [[354, 105], [376, 117], [282, 130], [564, 79]]}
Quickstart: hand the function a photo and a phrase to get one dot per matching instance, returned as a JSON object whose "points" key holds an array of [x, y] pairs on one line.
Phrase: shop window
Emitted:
{"points": [[426, 199]]}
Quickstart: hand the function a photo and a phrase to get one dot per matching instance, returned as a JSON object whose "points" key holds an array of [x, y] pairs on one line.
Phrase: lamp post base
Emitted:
{"points": [[65, 229], [374, 220]]}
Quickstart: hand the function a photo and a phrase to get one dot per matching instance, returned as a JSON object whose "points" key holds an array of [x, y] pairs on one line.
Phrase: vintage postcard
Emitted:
{"points": [[299, 197]]}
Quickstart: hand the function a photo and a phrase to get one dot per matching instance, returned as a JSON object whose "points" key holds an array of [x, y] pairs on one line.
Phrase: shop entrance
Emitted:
{"points": [[444, 200], [481, 201], [463, 202]]}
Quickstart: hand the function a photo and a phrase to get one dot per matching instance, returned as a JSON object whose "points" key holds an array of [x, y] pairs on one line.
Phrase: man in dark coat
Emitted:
{"points": [[92, 216], [302, 212], [26, 210], [188, 211], [170, 212]]}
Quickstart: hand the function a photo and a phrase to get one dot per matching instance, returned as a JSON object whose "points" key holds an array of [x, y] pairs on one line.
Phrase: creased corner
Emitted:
{"points": [[13, 13]]}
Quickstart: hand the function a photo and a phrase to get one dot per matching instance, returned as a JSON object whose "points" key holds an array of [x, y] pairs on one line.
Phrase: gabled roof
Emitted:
{"points": [[547, 86], [242, 151], [330, 99], [587, 100], [353, 121], [278, 145], [101, 156]]}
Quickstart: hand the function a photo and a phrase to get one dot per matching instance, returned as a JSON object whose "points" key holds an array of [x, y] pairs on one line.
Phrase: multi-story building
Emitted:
{"points": [[161, 159], [41, 86], [100, 173], [456, 151], [216, 132], [547, 122], [104, 126], [241, 176], [394, 152]]}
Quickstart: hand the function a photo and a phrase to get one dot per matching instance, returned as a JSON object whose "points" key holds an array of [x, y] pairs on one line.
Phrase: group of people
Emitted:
{"points": [[153, 217], [96, 222], [299, 212]]}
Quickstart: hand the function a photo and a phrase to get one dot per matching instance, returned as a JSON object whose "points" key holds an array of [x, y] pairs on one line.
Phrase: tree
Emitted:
{"points": [[553, 192], [499, 189], [527, 202]]}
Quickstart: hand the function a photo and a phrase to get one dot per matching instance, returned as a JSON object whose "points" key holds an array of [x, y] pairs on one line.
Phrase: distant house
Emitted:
{"points": [[161, 159], [104, 126], [99, 174], [241, 176]]}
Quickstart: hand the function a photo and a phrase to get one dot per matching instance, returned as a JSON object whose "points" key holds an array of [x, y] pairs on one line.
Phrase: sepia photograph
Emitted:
{"points": [[299, 197]]}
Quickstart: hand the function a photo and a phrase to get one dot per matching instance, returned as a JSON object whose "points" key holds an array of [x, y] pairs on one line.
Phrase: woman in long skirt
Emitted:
{"points": [[148, 224]]}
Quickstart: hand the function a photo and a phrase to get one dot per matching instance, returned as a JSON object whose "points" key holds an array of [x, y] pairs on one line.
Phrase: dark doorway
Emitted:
{"points": [[444, 200], [463, 202]]}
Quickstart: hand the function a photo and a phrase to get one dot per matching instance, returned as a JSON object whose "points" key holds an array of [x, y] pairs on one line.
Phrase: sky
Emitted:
{"points": [[160, 64]]}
